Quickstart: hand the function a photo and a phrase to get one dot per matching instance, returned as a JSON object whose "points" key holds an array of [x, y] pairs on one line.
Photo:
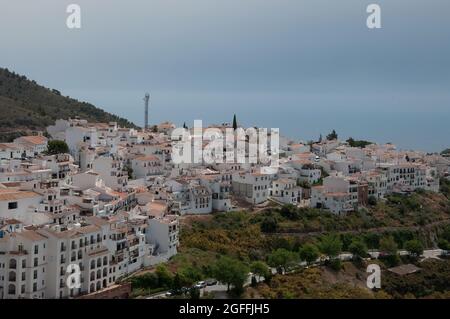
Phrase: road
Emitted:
{"points": [[220, 289]]}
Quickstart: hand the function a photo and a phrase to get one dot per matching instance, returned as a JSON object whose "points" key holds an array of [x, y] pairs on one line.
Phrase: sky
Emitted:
{"points": [[304, 66]]}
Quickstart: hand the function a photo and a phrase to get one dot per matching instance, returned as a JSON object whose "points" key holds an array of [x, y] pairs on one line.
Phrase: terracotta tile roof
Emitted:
{"points": [[31, 235], [37, 140], [147, 158], [4, 146], [12, 221], [8, 194]]}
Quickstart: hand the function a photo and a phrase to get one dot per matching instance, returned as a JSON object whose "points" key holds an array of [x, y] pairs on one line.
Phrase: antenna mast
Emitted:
{"points": [[146, 99]]}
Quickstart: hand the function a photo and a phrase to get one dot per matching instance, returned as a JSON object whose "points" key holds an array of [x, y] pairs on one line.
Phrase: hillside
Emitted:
{"points": [[279, 236], [27, 106]]}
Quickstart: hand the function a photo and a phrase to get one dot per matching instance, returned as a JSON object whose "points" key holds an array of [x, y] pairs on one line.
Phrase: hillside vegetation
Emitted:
{"points": [[27, 106]]}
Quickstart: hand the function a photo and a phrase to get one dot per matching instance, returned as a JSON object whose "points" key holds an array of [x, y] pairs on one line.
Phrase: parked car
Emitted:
{"points": [[211, 282], [200, 284], [174, 292]]}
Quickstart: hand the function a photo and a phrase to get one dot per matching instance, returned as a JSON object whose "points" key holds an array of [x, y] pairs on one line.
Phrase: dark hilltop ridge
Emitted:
{"points": [[27, 107]]}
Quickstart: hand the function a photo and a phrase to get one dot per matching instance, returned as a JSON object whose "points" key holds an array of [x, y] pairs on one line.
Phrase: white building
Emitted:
{"points": [[145, 166], [286, 191], [37, 144], [253, 187], [111, 171]]}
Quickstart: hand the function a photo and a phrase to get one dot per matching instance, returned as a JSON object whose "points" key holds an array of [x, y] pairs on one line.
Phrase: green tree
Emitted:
{"points": [[182, 279], [177, 282], [414, 247], [57, 147], [282, 259], [331, 246], [372, 200], [269, 224], [289, 211], [309, 253], [260, 269], [444, 244], [332, 136], [388, 245], [358, 248], [190, 274], [231, 272], [446, 233], [234, 122], [148, 280], [361, 143], [165, 278]]}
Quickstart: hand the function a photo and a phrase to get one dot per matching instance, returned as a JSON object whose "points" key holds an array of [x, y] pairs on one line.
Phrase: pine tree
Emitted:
{"points": [[234, 122]]}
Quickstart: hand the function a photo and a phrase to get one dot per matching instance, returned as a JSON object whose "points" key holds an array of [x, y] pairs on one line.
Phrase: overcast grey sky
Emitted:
{"points": [[306, 65]]}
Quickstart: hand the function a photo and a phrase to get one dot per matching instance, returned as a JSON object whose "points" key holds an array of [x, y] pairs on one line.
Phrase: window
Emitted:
{"points": [[34, 287], [35, 262], [12, 205], [12, 289], [36, 249], [12, 264], [12, 276]]}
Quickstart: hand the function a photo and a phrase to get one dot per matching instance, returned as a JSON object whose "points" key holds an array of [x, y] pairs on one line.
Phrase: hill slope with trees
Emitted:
{"points": [[26, 106]]}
